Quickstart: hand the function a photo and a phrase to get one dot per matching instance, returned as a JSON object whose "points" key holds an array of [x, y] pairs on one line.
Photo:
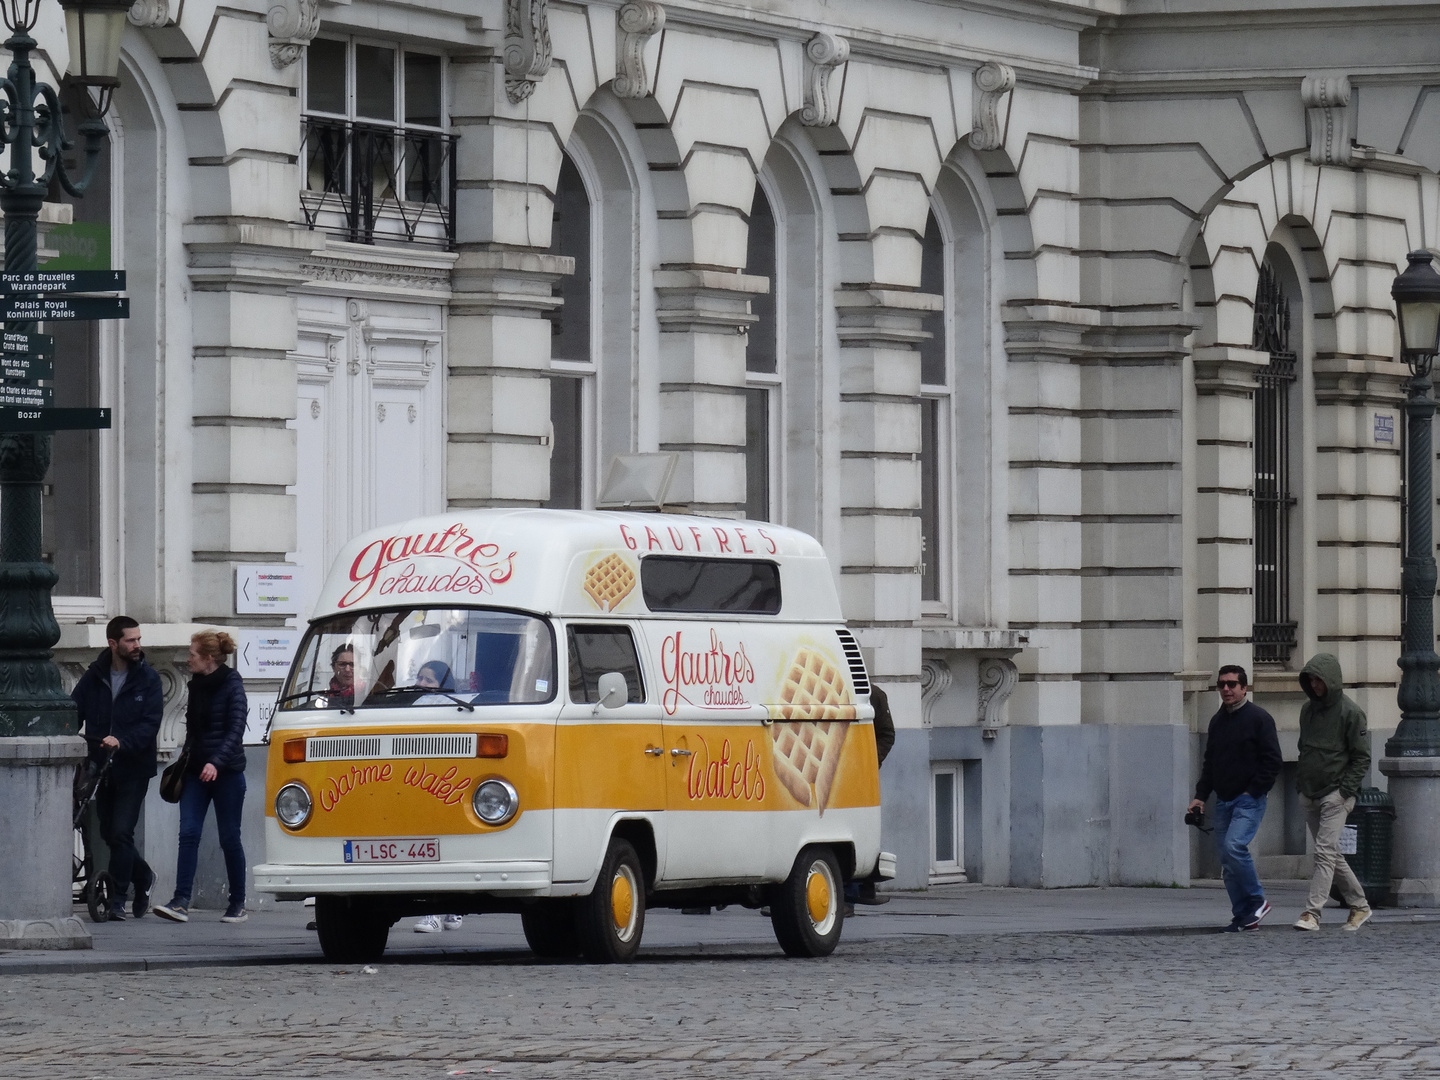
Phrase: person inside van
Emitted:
{"points": [[342, 683]]}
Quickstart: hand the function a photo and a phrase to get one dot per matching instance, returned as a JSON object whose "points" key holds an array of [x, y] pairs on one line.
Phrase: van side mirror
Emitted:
{"points": [[613, 691]]}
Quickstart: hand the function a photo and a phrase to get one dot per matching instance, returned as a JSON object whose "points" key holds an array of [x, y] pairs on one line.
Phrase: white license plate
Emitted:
{"points": [[395, 851]]}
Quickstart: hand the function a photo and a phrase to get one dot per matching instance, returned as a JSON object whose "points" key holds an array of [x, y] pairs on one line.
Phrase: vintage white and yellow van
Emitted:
{"points": [[574, 715]]}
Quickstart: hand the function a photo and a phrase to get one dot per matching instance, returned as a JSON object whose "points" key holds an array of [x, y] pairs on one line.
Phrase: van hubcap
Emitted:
{"points": [[818, 895], [622, 902]]}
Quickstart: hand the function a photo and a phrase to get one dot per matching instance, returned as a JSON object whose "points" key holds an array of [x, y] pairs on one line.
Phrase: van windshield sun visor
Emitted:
{"points": [[427, 657], [674, 583]]}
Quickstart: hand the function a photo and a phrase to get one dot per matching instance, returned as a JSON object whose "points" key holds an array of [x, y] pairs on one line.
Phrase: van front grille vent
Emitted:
{"points": [[361, 747], [856, 662]]}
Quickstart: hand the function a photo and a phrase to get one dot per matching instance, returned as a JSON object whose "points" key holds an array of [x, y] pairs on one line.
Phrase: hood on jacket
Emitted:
{"points": [[1326, 668]]}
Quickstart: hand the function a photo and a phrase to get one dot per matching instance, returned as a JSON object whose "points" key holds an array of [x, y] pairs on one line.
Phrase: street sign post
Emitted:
{"points": [[27, 344], [63, 281], [13, 419], [27, 397], [25, 307], [28, 368]]}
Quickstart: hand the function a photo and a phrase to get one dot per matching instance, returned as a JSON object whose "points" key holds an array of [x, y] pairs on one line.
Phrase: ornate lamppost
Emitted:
{"points": [[38, 724], [1412, 755]]}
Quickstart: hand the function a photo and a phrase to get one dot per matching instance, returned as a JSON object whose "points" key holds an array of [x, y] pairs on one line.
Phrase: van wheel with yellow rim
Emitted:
{"points": [[550, 929], [611, 919], [351, 929], [808, 910]]}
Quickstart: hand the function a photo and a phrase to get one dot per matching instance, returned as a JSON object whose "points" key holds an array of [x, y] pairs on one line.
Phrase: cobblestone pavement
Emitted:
{"points": [[1274, 1003]]}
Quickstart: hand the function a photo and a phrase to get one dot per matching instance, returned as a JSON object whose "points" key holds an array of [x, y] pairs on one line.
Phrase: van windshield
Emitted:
{"points": [[425, 657]]}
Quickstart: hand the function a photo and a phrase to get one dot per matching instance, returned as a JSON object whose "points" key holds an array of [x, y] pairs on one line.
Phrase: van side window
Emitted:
{"points": [[679, 583], [594, 650]]}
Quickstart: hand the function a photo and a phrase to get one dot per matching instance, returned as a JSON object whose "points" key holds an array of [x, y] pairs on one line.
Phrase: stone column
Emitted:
{"points": [[36, 910], [703, 316]]}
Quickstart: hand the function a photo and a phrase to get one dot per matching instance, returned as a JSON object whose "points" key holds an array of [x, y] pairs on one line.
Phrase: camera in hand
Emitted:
{"points": [[1195, 817]]}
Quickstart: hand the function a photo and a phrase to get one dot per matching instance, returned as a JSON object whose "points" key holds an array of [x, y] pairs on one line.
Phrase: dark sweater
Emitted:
{"points": [[133, 716], [215, 721], [1242, 754]]}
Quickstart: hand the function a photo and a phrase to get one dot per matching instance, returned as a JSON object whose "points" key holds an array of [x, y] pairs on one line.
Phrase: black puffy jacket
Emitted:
{"points": [[133, 716], [215, 721]]}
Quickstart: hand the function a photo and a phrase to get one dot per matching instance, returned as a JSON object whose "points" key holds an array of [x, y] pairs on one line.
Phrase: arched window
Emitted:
{"points": [[1274, 632], [572, 367], [762, 364], [934, 418]]}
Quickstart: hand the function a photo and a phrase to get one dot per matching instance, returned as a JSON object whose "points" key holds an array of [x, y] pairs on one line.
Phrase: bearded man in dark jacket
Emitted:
{"points": [[120, 701]]}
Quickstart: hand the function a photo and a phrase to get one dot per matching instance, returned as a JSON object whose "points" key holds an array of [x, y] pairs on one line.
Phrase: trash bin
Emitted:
{"points": [[1365, 843]]}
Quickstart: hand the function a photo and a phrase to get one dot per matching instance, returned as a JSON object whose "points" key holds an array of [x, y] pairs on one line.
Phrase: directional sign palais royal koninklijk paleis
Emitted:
{"points": [[44, 296]]}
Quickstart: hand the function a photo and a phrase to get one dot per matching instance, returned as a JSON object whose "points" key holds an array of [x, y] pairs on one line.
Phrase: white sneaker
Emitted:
{"points": [[428, 924], [1358, 918], [452, 922], [1307, 922]]}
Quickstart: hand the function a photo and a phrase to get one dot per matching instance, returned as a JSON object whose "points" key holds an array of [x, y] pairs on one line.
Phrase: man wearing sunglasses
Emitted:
{"points": [[1242, 760]]}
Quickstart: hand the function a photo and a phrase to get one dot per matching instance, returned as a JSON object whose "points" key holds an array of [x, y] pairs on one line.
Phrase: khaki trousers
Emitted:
{"points": [[1326, 817]]}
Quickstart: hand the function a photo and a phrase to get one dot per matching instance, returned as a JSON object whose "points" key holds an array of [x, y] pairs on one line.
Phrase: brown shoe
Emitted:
{"points": [[1307, 922], [1358, 918]]}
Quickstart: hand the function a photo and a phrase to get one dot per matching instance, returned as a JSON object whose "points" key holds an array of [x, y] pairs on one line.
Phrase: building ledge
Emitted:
{"points": [[975, 639]]}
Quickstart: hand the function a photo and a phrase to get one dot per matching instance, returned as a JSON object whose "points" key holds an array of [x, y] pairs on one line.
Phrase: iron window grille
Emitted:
{"points": [[1274, 629], [371, 183]]}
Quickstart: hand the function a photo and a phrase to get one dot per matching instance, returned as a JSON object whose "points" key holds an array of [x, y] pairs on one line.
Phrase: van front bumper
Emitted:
{"points": [[290, 882]]}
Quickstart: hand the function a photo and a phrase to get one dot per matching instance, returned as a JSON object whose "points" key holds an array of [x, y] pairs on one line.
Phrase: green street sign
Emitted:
{"points": [[27, 397], [27, 368], [14, 342], [63, 281], [21, 307], [13, 419]]}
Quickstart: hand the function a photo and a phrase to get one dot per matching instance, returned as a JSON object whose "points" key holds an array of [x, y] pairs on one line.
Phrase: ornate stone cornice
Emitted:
{"points": [[636, 23], [292, 25], [527, 47], [1326, 98], [354, 272], [823, 54], [151, 14], [992, 82]]}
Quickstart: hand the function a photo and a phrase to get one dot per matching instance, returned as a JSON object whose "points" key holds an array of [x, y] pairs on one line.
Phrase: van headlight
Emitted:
{"points": [[495, 801], [293, 805]]}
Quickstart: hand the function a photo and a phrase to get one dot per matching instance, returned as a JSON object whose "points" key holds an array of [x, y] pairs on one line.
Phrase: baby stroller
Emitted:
{"points": [[95, 889]]}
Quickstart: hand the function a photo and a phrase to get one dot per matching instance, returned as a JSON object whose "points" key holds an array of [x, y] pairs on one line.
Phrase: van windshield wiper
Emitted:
{"points": [[467, 706]]}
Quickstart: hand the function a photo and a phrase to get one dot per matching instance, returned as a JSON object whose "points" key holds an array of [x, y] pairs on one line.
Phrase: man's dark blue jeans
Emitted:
{"points": [[227, 792], [1236, 822], [117, 805]]}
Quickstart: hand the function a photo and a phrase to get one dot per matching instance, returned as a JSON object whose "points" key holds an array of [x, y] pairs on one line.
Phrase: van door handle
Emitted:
{"points": [[653, 750], [680, 753]]}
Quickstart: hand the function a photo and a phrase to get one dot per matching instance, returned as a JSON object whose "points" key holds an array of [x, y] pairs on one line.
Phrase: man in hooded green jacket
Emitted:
{"points": [[1334, 761]]}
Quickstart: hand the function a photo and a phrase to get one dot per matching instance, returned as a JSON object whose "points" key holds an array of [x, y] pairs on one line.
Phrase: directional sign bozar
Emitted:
{"points": [[13, 419]]}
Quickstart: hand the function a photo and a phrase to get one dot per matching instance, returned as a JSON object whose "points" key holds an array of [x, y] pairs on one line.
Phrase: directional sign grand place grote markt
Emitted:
{"points": [[25, 359]]}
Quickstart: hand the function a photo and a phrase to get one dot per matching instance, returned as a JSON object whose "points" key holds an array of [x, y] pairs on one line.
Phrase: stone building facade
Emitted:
{"points": [[1063, 324]]}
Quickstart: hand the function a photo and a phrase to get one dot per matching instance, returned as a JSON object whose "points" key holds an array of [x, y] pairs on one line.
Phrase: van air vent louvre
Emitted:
{"points": [[361, 747], [343, 746], [855, 660]]}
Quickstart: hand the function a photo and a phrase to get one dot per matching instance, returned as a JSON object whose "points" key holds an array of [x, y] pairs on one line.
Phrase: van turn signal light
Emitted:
{"points": [[492, 745], [294, 751]]}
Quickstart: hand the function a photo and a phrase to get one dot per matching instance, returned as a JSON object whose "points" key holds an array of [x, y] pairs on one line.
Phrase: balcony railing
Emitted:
{"points": [[374, 183]]}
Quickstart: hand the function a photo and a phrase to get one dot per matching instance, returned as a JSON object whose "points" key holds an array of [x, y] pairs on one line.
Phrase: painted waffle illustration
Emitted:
{"points": [[810, 729], [609, 581]]}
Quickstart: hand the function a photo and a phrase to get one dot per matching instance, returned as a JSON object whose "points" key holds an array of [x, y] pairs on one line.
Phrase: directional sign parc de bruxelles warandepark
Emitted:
{"points": [[45, 296]]}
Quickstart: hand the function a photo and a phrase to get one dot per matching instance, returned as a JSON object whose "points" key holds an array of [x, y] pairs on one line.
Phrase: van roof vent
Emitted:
{"points": [[856, 662]]}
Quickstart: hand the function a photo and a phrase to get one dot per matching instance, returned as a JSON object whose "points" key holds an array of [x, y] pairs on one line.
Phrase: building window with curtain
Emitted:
{"points": [[934, 420], [377, 165], [762, 365], [1274, 631], [572, 365]]}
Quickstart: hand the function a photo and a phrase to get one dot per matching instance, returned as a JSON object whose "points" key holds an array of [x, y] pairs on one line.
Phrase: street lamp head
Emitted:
{"points": [[20, 15], [1417, 300], [94, 29]]}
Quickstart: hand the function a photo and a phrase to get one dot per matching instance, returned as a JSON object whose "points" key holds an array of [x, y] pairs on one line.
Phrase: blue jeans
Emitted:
{"points": [[227, 792], [1236, 822]]}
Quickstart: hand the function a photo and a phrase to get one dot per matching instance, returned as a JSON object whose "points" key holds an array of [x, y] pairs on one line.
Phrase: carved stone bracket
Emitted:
{"points": [[998, 678], [151, 14], [292, 24], [992, 82], [527, 47], [637, 22], [935, 679], [823, 54], [1326, 98]]}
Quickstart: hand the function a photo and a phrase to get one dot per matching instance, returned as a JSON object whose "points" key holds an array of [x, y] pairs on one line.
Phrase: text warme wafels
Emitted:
{"points": [[609, 581], [815, 707]]}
